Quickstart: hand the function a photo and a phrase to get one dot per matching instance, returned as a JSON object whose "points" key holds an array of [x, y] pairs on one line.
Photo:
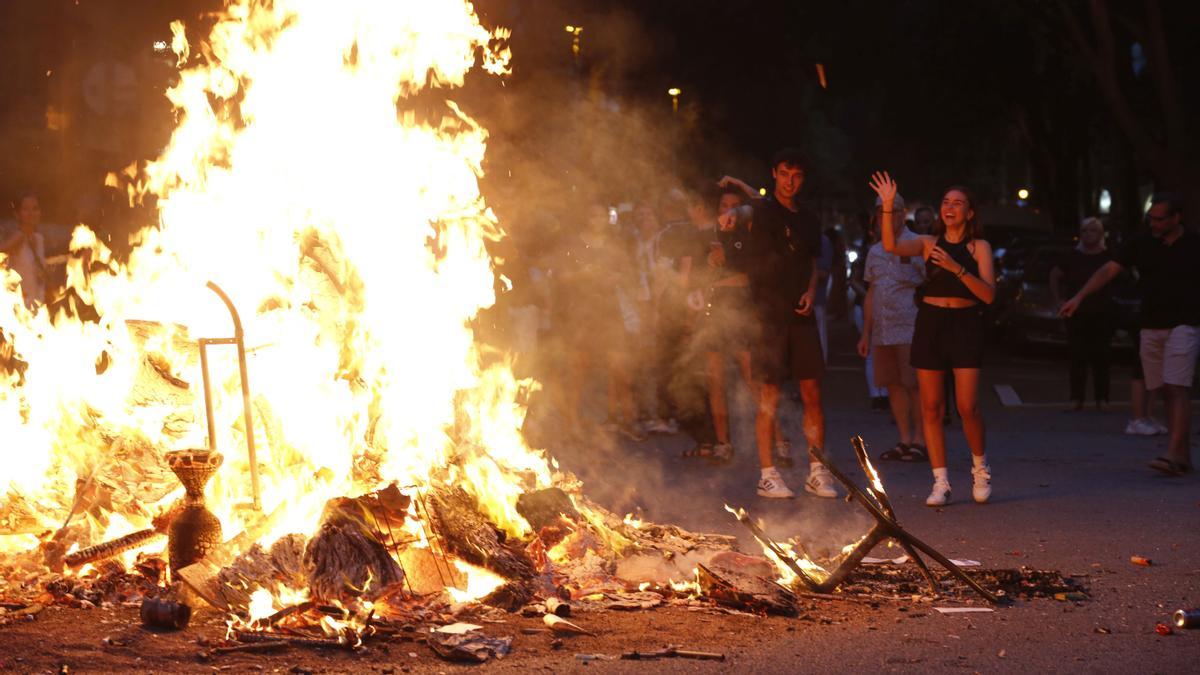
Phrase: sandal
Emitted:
{"points": [[703, 451], [915, 453], [722, 453], [896, 453], [1169, 467]]}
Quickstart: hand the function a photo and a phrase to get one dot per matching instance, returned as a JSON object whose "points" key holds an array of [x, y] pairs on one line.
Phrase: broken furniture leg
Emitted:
{"points": [[876, 490], [886, 527]]}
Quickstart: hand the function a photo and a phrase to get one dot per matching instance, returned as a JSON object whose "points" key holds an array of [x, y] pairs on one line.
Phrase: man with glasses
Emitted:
{"points": [[1168, 263]]}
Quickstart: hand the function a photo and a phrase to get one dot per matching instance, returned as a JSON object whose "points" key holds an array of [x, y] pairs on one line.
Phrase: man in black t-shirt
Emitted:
{"points": [[779, 239], [1168, 264]]}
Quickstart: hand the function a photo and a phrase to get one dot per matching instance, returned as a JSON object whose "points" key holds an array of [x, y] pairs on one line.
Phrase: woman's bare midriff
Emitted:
{"points": [[951, 303]]}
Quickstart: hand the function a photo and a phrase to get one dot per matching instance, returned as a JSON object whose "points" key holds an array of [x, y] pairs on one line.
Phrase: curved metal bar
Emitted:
{"points": [[243, 373], [237, 320]]}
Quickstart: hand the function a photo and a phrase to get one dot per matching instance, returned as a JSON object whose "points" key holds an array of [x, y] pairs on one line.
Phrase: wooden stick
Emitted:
{"points": [[110, 549]]}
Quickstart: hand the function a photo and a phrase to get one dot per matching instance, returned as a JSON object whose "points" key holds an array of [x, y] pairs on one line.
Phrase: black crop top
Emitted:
{"points": [[943, 283]]}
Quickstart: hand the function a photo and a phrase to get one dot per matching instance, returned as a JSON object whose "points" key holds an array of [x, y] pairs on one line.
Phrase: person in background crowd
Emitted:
{"points": [[923, 220], [727, 327], [651, 278], [837, 305], [587, 323], [687, 245], [782, 239], [25, 249], [1089, 330], [1167, 259], [949, 331], [824, 267], [890, 313], [870, 235]]}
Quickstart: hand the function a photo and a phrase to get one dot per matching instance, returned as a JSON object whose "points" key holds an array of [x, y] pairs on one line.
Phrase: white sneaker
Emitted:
{"points": [[820, 482], [773, 487], [1158, 427], [1140, 427], [982, 488], [940, 496]]}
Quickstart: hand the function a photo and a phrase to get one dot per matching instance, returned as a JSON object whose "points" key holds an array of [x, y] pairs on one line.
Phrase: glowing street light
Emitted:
{"points": [[674, 93], [575, 32], [1023, 193]]}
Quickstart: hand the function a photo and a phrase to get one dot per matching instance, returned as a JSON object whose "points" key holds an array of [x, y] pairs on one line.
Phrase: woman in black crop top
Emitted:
{"points": [[949, 332]]}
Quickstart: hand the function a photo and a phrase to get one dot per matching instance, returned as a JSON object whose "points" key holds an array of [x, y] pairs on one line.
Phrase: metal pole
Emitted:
{"points": [[247, 411], [208, 404]]}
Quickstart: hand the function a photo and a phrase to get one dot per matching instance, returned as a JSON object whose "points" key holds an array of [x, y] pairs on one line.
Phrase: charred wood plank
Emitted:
{"points": [[468, 534]]}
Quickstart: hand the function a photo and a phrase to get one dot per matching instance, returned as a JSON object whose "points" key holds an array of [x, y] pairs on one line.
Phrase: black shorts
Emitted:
{"points": [[728, 323], [789, 350], [945, 338]]}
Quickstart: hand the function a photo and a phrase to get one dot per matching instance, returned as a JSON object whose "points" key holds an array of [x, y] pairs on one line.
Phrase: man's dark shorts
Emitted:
{"points": [[788, 350]]}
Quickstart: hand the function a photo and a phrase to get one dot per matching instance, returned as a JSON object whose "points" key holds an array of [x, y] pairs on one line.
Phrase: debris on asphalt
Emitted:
{"points": [[1162, 629], [471, 647], [558, 607], [963, 610], [672, 652], [1187, 618], [1139, 560], [564, 627], [587, 658], [457, 628]]}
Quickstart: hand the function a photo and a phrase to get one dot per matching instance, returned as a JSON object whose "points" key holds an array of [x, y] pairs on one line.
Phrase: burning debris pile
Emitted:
{"points": [[374, 478]]}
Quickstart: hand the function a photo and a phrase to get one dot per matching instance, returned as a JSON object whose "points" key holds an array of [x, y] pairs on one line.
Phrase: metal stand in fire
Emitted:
{"points": [[876, 502]]}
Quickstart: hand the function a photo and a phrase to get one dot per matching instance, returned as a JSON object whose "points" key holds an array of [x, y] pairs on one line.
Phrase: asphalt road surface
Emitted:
{"points": [[1070, 493]]}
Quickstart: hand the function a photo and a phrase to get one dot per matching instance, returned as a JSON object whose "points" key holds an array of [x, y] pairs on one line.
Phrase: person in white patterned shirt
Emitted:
{"points": [[889, 315]]}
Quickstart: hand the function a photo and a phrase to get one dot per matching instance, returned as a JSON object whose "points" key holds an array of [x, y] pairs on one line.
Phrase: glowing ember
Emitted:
{"points": [[479, 584]]}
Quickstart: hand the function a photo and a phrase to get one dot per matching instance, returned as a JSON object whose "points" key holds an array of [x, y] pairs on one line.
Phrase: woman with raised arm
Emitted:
{"points": [[949, 331]]}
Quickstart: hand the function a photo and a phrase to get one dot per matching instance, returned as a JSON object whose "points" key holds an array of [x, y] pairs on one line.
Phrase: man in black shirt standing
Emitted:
{"points": [[1168, 265], [780, 239]]}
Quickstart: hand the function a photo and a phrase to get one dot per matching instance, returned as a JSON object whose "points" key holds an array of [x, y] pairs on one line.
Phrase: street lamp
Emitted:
{"points": [[1023, 194], [574, 31], [674, 93]]}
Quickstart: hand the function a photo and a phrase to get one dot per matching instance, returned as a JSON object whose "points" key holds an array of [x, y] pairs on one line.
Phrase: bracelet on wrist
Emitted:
{"points": [[962, 271]]}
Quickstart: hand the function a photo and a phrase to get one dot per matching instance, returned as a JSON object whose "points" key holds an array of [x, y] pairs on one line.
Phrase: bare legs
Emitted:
{"points": [[933, 407], [1179, 410], [716, 389], [764, 423], [906, 410], [966, 388], [814, 414]]}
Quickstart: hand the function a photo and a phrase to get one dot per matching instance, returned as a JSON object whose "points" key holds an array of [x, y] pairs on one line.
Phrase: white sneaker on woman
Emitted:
{"points": [[940, 496], [771, 485], [982, 488]]}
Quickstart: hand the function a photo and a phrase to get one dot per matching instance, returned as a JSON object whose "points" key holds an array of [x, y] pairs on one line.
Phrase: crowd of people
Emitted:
{"points": [[665, 297], [659, 300]]}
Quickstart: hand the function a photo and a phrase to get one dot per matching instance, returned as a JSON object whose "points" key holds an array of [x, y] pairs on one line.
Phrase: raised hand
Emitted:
{"points": [[728, 221], [885, 187]]}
